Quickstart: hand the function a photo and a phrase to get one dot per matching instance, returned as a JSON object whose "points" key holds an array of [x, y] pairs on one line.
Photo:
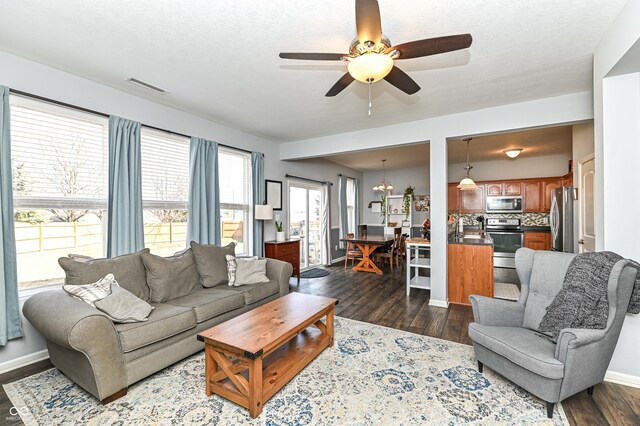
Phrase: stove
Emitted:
{"points": [[507, 237]]}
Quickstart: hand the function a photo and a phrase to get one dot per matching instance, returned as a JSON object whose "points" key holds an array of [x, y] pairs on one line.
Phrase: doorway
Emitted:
{"points": [[586, 206], [305, 221]]}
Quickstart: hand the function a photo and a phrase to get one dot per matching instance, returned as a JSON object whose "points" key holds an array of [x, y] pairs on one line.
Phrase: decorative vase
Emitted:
{"points": [[280, 236]]}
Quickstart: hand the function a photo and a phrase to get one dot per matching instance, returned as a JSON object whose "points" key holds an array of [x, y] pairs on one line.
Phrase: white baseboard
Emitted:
{"points": [[23, 361], [622, 379], [337, 259], [439, 303]]}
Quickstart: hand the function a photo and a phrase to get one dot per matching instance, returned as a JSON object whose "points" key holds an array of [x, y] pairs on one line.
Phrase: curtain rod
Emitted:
{"points": [[307, 179], [102, 114], [349, 177]]}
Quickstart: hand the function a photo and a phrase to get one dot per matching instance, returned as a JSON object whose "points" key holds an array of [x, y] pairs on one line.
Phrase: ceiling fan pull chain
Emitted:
{"points": [[370, 81]]}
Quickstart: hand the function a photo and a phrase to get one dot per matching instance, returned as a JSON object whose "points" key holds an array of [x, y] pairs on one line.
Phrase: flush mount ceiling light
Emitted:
{"points": [[513, 153], [385, 185], [467, 183]]}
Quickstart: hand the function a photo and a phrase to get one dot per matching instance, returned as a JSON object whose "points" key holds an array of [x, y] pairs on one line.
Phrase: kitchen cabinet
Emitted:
{"points": [[548, 186], [537, 240], [508, 187], [470, 271], [453, 195], [567, 180], [472, 200], [512, 188], [532, 194], [494, 188]]}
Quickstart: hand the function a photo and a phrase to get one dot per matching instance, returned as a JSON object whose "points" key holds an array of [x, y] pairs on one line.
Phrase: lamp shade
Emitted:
{"points": [[467, 184], [263, 212]]}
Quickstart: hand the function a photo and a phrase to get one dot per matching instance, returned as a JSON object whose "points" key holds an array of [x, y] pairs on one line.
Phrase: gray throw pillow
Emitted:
{"points": [[91, 293], [122, 306], [246, 270], [211, 262], [170, 277], [128, 270]]}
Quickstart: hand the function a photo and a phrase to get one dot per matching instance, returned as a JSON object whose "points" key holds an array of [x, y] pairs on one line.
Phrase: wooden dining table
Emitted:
{"points": [[367, 245]]}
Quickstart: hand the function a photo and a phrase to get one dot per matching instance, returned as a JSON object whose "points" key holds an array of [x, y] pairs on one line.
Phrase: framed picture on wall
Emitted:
{"points": [[273, 190]]}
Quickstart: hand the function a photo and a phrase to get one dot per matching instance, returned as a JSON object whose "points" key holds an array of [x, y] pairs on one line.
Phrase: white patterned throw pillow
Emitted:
{"points": [[91, 293], [246, 270]]}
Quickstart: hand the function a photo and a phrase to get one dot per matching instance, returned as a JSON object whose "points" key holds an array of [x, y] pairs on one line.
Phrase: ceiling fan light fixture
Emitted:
{"points": [[370, 67], [513, 153]]}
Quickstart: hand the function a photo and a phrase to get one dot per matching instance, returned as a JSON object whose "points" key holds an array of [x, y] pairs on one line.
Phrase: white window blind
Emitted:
{"points": [[59, 156], [165, 170], [235, 178]]}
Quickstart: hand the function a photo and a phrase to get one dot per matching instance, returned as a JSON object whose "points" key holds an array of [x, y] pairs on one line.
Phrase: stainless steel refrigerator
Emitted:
{"points": [[561, 219]]}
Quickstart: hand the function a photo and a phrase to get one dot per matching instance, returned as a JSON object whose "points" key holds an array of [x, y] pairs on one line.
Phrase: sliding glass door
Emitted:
{"points": [[305, 207]]}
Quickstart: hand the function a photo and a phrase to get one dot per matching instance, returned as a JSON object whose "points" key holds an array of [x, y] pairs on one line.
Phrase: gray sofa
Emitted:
{"points": [[105, 358], [504, 336]]}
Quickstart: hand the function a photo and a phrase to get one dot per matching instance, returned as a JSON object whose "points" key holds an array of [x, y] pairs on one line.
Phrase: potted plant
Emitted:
{"points": [[279, 232], [406, 201]]}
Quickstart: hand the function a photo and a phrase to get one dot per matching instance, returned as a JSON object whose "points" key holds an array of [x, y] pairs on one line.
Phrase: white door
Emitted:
{"points": [[305, 206], [586, 213]]}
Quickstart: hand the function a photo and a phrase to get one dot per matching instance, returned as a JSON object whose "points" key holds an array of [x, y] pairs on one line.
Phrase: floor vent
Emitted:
{"points": [[146, 85]]}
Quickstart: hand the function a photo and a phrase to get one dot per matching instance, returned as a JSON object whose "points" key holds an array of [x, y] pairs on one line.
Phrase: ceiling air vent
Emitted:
{"points": [[146, 85]]}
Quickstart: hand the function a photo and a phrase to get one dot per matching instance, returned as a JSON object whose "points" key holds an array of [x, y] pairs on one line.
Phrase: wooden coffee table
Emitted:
{"points": [[268, 345]]}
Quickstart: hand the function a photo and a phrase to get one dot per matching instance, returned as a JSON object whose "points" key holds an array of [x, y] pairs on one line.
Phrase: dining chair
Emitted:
{"points": [[401, 251], [389, 251], [362, 230], [353, 252]]}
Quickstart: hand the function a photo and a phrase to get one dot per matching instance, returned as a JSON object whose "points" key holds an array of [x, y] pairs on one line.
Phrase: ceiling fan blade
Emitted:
{"points": [[432, 46], [313, 56], [368, 22], [340, 85], [402, 81]]}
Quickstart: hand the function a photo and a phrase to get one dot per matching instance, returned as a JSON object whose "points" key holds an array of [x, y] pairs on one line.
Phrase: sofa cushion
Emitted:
{"points": [[165, 321], [210, 302], [242, 271], [170, 277], [256, 292], [92, 293], [122, 306], [127, 269], [547, 277], [522, 346], [211, 262]]}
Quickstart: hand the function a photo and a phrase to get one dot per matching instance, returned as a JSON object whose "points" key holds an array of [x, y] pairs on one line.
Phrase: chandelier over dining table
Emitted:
{"points": [[384, 186]]}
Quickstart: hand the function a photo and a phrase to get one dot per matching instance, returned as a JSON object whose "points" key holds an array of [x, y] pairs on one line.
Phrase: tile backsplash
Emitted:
{"points": [[528, 219]]}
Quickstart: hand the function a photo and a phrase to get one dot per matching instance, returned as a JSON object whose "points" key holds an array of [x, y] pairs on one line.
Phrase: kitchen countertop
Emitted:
{"points": [[536, 228], [485, 241]]}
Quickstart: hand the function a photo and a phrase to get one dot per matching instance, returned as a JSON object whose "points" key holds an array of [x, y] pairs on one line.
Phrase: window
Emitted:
{"points": [[234, 171], [351, 206], [165, 190], [59, 164]]}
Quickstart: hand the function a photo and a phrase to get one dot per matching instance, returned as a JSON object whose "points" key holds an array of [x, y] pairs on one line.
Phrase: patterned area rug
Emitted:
{"points": [[372, 375]]}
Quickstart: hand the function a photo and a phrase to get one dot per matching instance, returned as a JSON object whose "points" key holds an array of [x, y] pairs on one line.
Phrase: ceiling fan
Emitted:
{"points": [[371, 55]]}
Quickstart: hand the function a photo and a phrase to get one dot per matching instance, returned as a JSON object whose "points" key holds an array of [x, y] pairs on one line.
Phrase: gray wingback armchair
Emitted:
{"points": [[505, 340]]}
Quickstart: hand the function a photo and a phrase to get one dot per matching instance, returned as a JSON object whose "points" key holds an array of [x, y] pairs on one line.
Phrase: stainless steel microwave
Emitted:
{"points": [[504, 204]]}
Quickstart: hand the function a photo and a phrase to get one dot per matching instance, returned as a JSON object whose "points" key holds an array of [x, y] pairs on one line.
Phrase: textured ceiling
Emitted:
{"points": [[534, 143], [219, 59]]}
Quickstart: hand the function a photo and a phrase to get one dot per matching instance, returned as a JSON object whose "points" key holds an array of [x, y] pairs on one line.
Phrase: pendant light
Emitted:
{"points": [[385, 186], [467, 183]]}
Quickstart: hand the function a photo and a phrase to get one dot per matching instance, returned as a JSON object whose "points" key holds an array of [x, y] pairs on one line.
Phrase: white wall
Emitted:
{"points": [[22, 74], [417, 177], [616, 118], [518, 168]]}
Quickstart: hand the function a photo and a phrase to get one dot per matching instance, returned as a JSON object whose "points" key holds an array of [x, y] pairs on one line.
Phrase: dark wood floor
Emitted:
{"points": [[382, 300]]}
